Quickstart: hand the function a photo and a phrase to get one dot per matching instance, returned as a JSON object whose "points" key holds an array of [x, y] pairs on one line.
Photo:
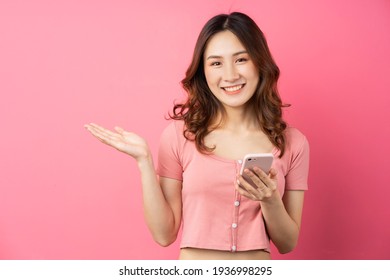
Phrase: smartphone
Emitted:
{"points": [[263, 161]]}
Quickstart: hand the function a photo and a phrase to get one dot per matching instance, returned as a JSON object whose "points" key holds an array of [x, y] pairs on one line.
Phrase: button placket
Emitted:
{"points": [[236, 203]]}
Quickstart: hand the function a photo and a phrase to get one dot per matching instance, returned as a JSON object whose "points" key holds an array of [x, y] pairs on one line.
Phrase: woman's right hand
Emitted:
{"points": [[122, 140]]}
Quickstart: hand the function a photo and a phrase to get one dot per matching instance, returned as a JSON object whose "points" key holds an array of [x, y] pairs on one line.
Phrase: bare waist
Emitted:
{"points": [[205, 254]]}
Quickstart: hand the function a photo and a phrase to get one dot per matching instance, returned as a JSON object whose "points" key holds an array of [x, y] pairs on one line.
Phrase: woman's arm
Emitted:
{"points": [[282, 216], [161, 197], [162, 204], [283, 219]]}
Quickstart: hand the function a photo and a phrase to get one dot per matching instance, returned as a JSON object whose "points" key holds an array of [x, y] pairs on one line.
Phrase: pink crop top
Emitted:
{"points": [[214, 215]]}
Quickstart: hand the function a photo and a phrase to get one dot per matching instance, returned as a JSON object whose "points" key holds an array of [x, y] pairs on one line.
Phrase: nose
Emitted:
{"points": [[230, 72]]}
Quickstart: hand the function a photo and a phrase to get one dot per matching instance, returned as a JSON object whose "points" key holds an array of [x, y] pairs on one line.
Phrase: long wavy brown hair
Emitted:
{"points": [[202, 107]]}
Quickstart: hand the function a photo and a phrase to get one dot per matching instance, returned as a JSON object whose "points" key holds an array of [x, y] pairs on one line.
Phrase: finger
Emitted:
{"points": [[247, 191], [95, 126], [248, 195], [255, 179], [99, 135], [104, 135], [249, 188], [264, 188], [273, 172], [120, 130], [103, 132], [266, 179]]}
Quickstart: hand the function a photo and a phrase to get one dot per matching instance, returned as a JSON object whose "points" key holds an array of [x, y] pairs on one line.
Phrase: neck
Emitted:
{"points": [[237, 119]]}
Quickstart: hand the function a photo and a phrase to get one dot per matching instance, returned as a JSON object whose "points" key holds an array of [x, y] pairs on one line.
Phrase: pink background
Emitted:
{"points": [[64, 195]]}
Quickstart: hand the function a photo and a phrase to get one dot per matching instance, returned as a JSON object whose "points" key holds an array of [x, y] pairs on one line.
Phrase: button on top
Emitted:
{"points": [[236, 203]]}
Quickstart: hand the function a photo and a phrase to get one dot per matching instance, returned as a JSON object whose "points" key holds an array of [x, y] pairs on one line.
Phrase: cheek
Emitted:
{"points": [[253, 76], [252, 72], [211, 78]]}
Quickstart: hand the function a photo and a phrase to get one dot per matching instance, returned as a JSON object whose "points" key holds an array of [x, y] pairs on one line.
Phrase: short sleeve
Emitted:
{"points": [[169, 163], [297, 176]]}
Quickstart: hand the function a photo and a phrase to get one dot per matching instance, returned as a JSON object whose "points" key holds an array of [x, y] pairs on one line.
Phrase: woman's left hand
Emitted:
{"points": [[266, 184]]}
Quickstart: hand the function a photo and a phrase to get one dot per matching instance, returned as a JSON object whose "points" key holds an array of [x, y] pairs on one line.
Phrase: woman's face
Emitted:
{"points": [[230, 73]]}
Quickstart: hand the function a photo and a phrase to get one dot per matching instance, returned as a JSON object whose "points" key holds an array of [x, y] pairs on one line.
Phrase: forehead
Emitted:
{"points": [[223, 43]]}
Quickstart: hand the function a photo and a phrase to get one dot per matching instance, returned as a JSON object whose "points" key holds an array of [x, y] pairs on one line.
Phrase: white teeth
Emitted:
{"points": [[235, 88]]}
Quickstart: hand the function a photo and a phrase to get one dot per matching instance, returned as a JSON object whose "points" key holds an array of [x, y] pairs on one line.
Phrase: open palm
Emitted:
{"points": [[120, 139]]}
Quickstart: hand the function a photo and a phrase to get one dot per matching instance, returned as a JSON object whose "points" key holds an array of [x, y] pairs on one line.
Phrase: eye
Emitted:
{"points": [[241, 59], [215, 63]]}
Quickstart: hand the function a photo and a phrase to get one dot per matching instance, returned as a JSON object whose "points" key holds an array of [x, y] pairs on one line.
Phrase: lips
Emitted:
{"points": [[233, 89]]}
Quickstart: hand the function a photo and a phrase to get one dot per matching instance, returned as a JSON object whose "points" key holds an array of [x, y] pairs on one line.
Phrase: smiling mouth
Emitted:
{"points": [[233, 89]]}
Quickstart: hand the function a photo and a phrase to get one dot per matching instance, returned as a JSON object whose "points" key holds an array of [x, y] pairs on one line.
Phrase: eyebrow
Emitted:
{"points": [[218, 56]]}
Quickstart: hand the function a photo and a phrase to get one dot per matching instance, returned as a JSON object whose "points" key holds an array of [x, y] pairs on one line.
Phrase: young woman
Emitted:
{"points": [[233, 109]]}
